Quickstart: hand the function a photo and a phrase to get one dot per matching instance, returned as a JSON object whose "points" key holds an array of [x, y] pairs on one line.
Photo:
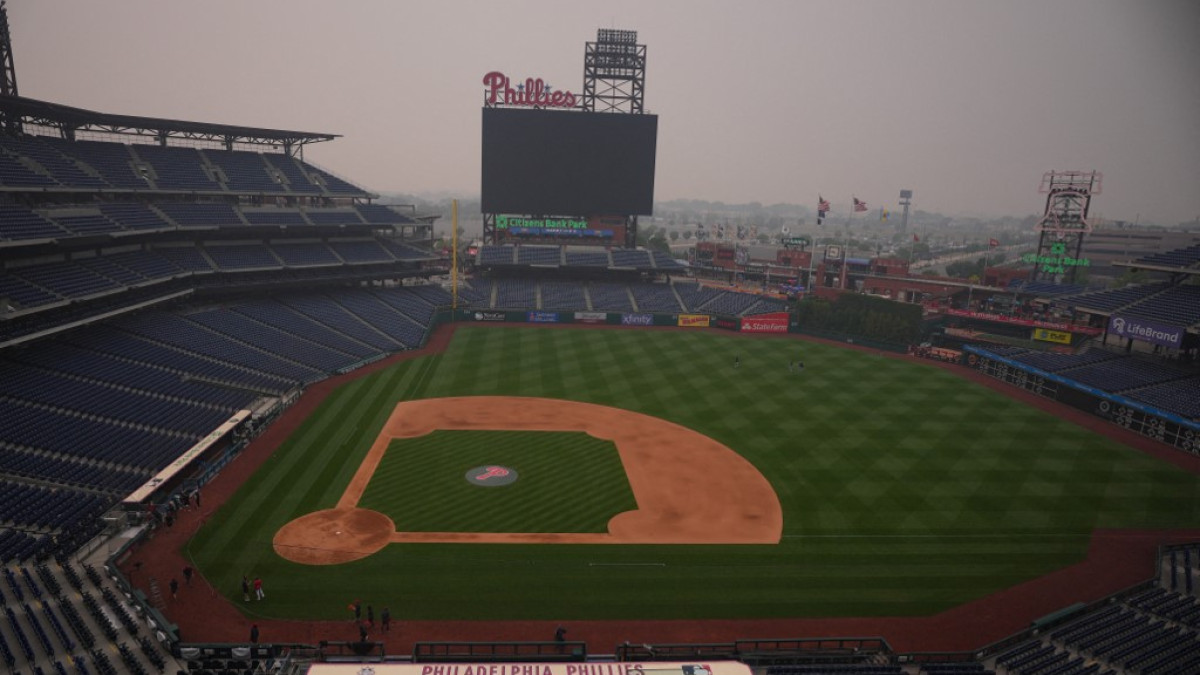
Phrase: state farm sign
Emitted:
{"points": [[776, 322], [534, 93]]}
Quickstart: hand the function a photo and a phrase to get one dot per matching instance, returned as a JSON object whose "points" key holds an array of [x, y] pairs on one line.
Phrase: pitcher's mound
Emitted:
{"points": [[334, 536]]}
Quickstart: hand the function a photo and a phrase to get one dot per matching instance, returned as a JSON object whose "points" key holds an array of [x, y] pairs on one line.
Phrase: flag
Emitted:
{"points": [[883, 214], [859, 205], [993, 242], [915, 237], [822, 205]]}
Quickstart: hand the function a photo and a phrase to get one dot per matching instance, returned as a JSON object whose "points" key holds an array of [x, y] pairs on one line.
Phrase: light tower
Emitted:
{"points": [[905, 201], [8, 82]]}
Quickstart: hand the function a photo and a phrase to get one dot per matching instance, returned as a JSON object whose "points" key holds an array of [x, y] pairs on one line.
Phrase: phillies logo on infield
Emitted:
{"points": [[491, 475]]}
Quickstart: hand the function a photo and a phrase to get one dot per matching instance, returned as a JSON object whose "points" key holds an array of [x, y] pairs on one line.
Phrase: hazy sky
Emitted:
{"points": [[963, 101]]}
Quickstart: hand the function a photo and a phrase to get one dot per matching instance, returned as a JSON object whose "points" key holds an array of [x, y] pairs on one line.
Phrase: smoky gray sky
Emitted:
{"points": [[963, 101]]}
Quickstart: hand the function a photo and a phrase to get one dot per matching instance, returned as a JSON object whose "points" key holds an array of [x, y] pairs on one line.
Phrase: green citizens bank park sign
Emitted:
{"points": [[1058, 261], [507, 222]]}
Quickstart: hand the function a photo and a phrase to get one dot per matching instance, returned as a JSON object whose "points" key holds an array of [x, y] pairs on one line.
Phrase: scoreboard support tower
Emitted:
{"points": [[1064, 224]]}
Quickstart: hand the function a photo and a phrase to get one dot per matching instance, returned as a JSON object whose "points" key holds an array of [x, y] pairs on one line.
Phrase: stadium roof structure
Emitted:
{"points": [[69, 120]]}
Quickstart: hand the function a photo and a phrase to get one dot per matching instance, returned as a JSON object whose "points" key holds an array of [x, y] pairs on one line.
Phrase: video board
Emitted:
{"points": [[556, 162]]}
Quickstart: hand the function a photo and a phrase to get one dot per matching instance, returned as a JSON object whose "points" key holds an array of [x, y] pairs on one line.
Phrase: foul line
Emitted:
{"points": [[981, 535]]}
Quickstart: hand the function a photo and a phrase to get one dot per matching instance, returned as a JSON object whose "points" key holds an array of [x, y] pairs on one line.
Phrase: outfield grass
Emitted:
{"points": [[905, 490]]}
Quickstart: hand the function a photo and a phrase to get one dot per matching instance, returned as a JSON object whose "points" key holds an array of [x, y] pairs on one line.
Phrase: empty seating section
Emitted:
{"points": [[1052, 363], [112, 161], [296, 179], [726, 302], [18, 222], [293, 355], [109, 369], [497, 255], [176, 168], [1180, 257], [28, 384], [301, 254], [1109, 301], [333, 184], [539, 255], [516, 294], [274, 217], [610, 297], [404, 251], [409, 304], [694, 296], [333, 217], [95, 223], [66, 279], [655, 297], [242, 257], [24, 293], [1044, 288], [434, 295], [563, 295], [381, 215], [68, 471], [134, 216], [107, 268], [1117, 375], [68, 435], [1181, 398], [207, 214], [836, 669], [382, 316], [284, 318], [187, 335], [147, 264], [14, 173], [330, 313], [185, 258], [1178, 306], [244, 171], [591, 258], [36, 507], [126, 347], [631, 258], [62, 169], [664, 261], [361, 252], [477, 293], [765, 305]]}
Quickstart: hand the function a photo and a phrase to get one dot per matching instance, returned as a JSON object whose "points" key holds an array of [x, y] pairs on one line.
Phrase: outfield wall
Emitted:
{"points": [[1175, 431]]}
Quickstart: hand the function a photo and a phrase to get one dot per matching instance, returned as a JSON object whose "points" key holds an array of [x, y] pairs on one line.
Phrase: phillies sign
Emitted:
{"points": [[533, 93]]}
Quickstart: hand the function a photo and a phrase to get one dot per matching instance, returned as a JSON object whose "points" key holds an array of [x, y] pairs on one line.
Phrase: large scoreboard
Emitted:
{"points": [[1132, 415], [567, 163]]}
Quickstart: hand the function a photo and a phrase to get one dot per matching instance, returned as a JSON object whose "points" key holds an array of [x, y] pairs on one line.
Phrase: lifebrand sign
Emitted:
{"points": [[1146, 330]]}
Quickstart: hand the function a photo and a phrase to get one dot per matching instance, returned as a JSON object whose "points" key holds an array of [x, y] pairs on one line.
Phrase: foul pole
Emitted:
{"points": [[454, 254]]}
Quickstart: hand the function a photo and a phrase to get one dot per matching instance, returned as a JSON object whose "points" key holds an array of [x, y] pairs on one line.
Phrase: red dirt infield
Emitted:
{"points": [[1115, 560]]}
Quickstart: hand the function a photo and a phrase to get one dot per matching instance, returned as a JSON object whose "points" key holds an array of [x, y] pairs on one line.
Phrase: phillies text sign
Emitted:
{"points": [[534, 93]]}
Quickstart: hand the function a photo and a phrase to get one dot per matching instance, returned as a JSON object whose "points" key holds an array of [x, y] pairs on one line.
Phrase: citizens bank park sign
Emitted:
{"points": [[532, 93]]}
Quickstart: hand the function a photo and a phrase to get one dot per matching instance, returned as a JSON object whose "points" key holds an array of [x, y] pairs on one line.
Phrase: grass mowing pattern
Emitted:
{"points": [[420, 483], [905, 490]]}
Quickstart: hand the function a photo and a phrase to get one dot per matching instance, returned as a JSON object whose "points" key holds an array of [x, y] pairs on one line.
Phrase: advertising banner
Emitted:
{"points": [[591, 317], [542, 668], [488, 316], [637, 319], [694, 320], [1048, 335], [727, 324], [776, 322], [1146, 331], [542, 317]]}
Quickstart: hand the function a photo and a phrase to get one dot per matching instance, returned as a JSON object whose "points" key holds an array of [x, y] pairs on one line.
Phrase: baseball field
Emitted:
{"points": [[859, 485]]}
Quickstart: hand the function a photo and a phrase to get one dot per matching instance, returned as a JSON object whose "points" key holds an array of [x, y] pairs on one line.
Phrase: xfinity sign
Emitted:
{"points": [[1145, 330]]}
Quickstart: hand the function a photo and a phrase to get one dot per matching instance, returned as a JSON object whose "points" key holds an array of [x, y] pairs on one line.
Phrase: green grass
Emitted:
{"points": [[905, 490], [421, 483]]}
